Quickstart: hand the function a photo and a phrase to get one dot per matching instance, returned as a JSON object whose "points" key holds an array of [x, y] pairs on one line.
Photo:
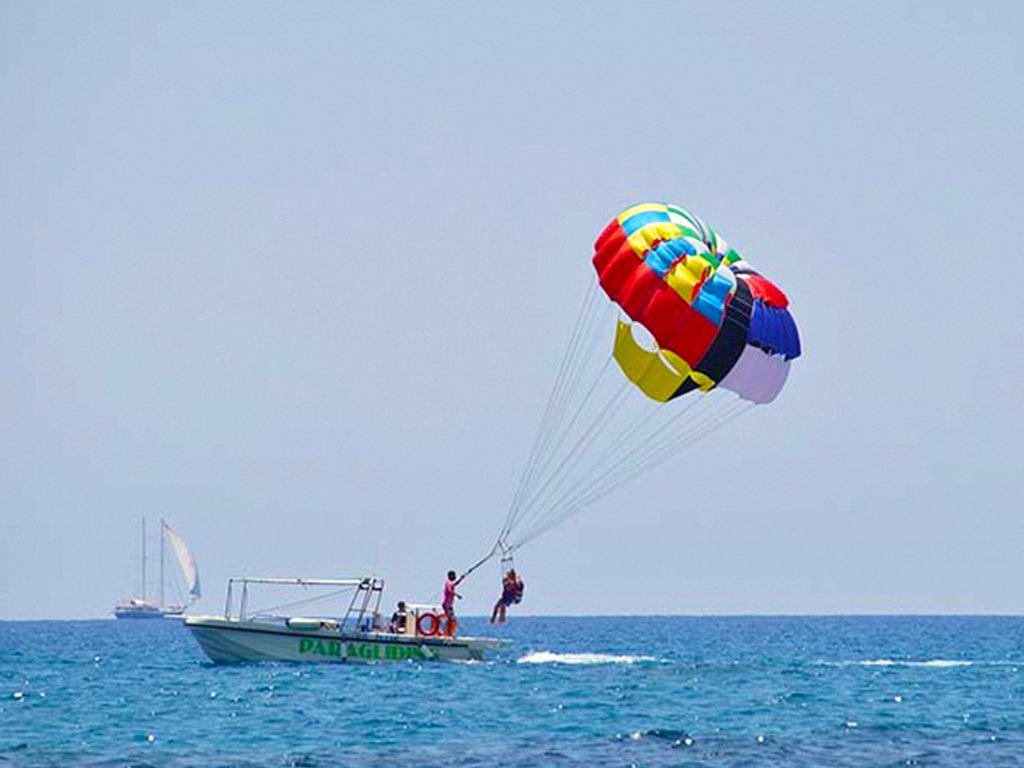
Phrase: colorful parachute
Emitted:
{"points": [[716, 321], [714, 327]]}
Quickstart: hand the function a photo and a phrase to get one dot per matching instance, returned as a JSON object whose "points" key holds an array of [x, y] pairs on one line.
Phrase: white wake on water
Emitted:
{"points": [[934, 663], [904, 663], [547, 657]]}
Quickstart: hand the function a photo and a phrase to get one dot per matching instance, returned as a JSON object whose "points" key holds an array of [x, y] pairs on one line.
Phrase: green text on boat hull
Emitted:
{"points": [[369, 651]]}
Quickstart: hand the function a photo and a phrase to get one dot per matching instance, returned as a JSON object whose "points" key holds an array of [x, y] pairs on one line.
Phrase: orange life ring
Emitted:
{"points": [[435, 624]]}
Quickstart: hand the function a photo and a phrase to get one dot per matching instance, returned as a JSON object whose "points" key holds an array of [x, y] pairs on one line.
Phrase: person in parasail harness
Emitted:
{"points": [[511, 592]]}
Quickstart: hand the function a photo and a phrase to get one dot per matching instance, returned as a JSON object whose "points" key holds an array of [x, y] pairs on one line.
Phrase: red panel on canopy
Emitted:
{"points": [[764, 289]]}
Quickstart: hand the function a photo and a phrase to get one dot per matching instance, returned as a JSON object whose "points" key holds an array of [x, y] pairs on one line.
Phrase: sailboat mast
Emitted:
{"points": [[162, 526], [143, 559]]}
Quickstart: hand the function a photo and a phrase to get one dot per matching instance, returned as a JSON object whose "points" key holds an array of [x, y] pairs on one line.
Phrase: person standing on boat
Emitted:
{"points": [[449, 602]]}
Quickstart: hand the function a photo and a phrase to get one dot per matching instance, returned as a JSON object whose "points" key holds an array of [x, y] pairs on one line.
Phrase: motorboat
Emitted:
{"points": [[357, 635]]}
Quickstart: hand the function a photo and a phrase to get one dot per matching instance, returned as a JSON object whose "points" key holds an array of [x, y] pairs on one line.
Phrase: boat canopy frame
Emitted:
{"points": [[365, 602]]}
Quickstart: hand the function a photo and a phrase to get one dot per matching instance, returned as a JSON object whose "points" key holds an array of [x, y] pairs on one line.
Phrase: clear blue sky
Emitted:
{"points": [[298, 278]]}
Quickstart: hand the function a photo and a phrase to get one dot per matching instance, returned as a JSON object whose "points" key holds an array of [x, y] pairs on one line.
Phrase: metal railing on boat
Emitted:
{"points": [[368, 592]]}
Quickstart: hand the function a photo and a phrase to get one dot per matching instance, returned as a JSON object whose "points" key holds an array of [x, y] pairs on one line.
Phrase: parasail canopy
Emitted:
{"points": [[716, 321]]}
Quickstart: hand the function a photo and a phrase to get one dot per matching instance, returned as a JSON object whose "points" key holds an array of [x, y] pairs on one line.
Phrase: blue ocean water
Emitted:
{"points": [[654, 691]]}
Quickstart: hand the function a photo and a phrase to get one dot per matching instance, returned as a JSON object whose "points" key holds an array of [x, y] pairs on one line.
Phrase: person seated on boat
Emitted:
{"points": [[511, 592], [397, 626], [448, 605], [371, 622]]}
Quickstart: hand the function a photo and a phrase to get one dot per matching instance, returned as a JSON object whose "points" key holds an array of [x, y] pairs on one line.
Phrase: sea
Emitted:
{"points": [[601, 691]]}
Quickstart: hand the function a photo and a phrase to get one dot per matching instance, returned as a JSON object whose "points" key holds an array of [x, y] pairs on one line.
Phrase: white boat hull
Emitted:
{"points": [[142, 610], [232, 640]]}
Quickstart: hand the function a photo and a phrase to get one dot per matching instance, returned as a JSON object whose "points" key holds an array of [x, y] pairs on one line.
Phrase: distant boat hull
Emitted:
{"points": [[230, 640], [139, 610], [135, 613]]}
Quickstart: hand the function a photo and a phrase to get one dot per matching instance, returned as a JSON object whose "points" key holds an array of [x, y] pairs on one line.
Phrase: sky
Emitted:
{"points": [[298, 278]]}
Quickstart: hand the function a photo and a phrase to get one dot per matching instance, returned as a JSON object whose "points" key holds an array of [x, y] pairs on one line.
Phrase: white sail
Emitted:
{"points": [[186, 560]]}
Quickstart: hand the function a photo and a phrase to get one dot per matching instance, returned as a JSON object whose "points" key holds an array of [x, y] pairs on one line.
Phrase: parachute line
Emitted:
{"points": [[598, 432], [569, 458], [543, 431], [553, 430], [626, 473]]}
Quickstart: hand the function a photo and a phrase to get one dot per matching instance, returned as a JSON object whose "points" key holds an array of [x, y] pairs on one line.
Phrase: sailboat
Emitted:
{"points": [[143, 608]]}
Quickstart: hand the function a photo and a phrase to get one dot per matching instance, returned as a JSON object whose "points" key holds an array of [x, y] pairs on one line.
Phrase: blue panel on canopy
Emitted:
{"points": [[666, 253], [773, 330], [638, 220]]}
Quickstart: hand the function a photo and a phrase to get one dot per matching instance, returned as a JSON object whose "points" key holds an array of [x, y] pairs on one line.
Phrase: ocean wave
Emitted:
{"points": [[939, 663], [547, 657]]}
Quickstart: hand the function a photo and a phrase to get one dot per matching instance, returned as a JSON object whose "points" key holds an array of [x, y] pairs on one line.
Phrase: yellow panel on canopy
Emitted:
{"points": [[658, 374]]}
